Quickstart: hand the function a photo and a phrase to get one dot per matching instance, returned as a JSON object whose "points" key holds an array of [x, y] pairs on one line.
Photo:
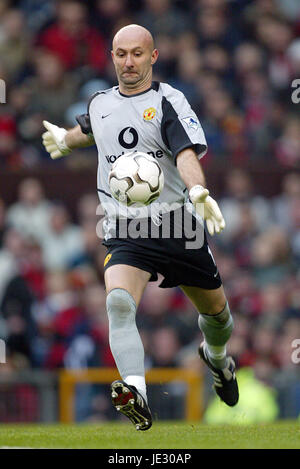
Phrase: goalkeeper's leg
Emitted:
{"points": [[125, 285], [216, 324]]}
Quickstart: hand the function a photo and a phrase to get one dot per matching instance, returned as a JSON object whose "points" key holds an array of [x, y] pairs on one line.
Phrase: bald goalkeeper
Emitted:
{"points": [[117, 121]]}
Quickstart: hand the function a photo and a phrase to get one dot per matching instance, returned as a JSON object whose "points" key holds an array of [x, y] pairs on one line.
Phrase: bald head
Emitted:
{"points": [[133, 55], [133, 33]]}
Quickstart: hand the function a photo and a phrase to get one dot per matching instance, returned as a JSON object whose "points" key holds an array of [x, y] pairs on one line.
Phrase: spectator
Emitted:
{"points": [[63, 242], [265, 137], [56, 317], [165, 347], [33, 269], [264, 344], [30, 215], [18, 346], [275, 34], [87, 208], [51, 91], [213, 26], [256, 101], [165, 68], [110, 12], [220, 120], [244, 294], [14, 44], [72, 39], [38, 13], [287, 146], [271, 256], [284, 203], [188, 69], [157, 312], [9, 149], [161, 15], [238, 192], [16, 299], [93, 326], [248, 57]]}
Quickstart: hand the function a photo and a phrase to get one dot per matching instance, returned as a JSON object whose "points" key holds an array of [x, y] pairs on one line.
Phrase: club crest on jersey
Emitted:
{"points": [[149, 114], [191, 122]]}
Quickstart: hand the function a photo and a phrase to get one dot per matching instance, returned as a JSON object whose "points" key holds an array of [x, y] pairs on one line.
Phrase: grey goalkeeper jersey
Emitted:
{"points": [[159, 122]]}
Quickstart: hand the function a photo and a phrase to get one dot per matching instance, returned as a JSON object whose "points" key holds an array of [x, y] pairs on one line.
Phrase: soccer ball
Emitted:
{"points": [[136, 178]]}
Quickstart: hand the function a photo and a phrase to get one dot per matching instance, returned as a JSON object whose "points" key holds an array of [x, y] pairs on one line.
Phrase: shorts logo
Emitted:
{"points": [[191, 122], [149, 114], [107, 259]]}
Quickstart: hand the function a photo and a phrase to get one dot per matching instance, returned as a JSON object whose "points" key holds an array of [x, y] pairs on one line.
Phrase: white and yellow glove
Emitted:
{"points": [[208, 208], [54, 140]]}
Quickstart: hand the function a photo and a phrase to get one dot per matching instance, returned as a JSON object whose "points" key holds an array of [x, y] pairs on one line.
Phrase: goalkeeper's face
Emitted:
{"points": [[133, 55]]}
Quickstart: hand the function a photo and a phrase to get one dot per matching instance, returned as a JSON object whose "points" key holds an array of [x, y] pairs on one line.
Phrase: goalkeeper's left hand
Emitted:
{"points": [[208, 208]]}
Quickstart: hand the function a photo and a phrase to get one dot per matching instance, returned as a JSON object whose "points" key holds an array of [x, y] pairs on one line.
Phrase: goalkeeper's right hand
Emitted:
{"points": [[54, 140]]}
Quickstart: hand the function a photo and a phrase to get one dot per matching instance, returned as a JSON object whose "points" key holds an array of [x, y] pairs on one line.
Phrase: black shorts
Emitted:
{"points": [[169, 257]]}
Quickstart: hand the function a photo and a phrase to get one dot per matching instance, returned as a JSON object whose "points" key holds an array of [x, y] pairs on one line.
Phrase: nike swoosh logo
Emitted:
{"points": [[103, 117], [216, 273]]}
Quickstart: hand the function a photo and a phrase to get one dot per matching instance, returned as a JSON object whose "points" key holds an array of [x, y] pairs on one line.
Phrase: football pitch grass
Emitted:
{"points": [[162, 435]]}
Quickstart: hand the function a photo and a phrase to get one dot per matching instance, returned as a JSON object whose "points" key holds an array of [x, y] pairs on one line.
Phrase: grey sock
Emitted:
{"points": [[124, 339], [217, 330]]}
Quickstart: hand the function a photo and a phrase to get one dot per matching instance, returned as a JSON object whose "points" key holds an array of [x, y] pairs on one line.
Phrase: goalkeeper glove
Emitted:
{"points": [[208, 208], [54, 140]]}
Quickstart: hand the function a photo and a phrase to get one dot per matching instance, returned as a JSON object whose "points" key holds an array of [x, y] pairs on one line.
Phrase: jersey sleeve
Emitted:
{"points": [[85, 123], [84, 119], [180, 127]]}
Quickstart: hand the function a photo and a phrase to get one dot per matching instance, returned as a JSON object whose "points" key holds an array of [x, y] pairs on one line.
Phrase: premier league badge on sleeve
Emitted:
{"points": [[191, 122]]}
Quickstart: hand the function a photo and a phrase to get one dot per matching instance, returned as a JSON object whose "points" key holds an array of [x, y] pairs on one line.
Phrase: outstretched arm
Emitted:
{"points": [[76, 139], [191, 173], [190, 168], [60, 142]]}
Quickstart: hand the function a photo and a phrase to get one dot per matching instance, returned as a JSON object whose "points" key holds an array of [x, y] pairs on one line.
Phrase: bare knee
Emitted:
{"points": [[210, 302], [215, 307], [128, 278]]}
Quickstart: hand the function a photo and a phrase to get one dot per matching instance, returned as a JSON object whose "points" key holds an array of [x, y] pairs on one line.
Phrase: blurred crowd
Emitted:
{"points": [[235, 60], [52, 295]]}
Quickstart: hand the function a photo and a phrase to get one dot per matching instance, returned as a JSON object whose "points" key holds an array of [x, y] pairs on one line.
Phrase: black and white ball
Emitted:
{"points": [[136, 178]]}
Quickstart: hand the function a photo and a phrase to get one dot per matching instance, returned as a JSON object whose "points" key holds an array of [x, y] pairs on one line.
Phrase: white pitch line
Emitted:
{"points": [[16, 447]]}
